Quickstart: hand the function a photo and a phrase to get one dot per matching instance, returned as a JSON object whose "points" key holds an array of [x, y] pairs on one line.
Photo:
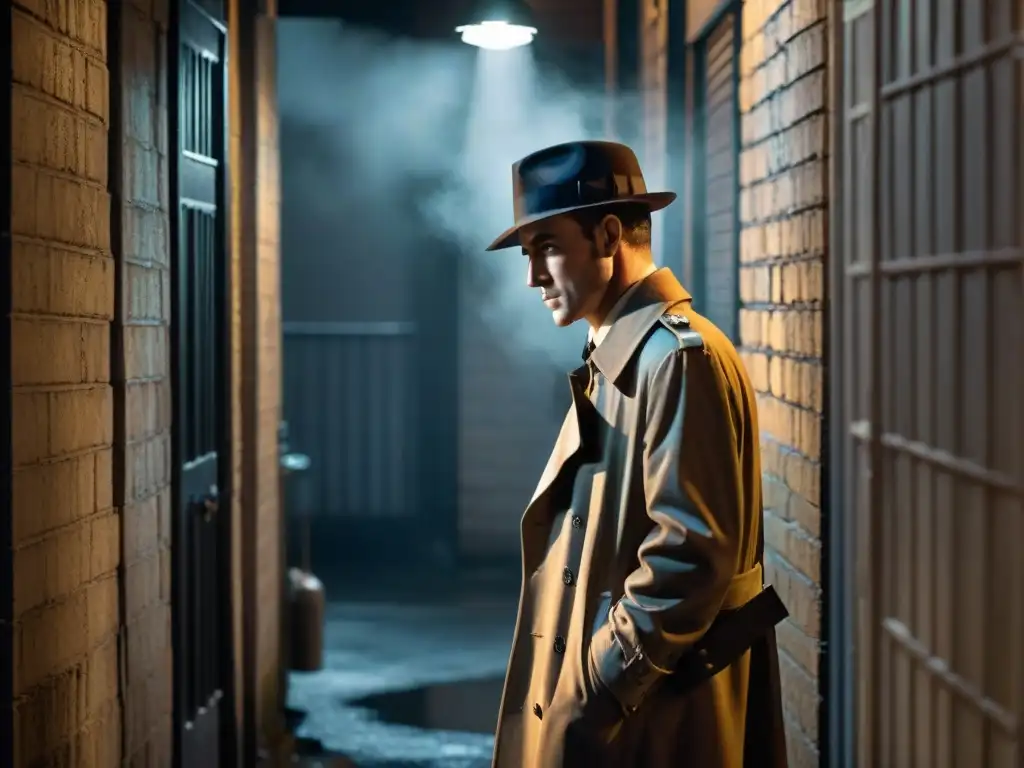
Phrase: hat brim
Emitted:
{"points": [[653, 201]]}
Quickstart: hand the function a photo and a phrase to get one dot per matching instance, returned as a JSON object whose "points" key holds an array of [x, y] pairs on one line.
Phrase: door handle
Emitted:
{"points": [[208, 506]]}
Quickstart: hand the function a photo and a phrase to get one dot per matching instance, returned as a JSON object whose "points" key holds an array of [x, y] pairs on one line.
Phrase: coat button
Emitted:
{"points": [[577, 521], [559, 644], [567, 577], [538, 711]]}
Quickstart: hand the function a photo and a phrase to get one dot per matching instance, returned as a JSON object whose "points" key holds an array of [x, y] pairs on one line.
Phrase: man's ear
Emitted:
{"points": [[611, 234]]}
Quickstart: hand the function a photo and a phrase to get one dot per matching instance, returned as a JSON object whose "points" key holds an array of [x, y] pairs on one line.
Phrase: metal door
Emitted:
{"points": [[932, 370], [716, 182], [200, 567]]}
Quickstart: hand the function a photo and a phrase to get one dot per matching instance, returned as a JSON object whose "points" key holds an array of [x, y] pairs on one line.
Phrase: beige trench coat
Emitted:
{"points": [[645, 524]]}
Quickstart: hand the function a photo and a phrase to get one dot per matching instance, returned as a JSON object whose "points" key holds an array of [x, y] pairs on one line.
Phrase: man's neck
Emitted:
{"points": [[621, 282]]}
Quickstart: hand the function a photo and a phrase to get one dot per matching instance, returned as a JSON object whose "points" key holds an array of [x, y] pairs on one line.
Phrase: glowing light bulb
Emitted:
{"points": [[496, 35]]}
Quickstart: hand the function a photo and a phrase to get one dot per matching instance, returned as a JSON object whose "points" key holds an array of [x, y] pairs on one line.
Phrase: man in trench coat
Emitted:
{"points": [[645, 637]]}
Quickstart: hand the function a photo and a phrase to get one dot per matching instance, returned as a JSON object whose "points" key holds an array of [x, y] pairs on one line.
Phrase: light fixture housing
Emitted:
{"points": [[499, 25]]}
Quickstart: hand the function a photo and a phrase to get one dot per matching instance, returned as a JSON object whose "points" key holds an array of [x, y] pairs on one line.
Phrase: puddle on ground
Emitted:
{"points": [[468, 706]]}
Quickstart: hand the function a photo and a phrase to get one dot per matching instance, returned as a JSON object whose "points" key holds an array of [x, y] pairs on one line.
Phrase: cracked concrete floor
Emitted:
{"points": [[409, 684]]}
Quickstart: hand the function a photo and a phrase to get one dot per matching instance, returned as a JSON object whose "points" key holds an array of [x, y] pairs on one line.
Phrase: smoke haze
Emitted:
{"points": [[426, 134]]}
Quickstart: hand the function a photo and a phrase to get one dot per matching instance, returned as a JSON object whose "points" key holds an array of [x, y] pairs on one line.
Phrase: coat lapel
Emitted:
{"points": [[570, 437]]}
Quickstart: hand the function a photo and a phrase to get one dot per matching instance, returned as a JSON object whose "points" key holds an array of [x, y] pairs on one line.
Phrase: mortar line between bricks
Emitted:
{"points": [[60, 388], [84, 251], [147, 263], [780, 91], [786, 450], [77, 112], [767, 306], [69, 456], [752, 184], [793, 404], [782, 44], [96, 716], [809, 742], [778, 442], [800, 667], [783, 354], [165, 433], [35, 610], [139, 380], [81, 181], [52, 318], [771, 18], [97, 55], [815, 640], [787, 215], [793, 572], [777, 132], [799, 529], [782, 261], [147, 554], [146, 206], [50, 533]]}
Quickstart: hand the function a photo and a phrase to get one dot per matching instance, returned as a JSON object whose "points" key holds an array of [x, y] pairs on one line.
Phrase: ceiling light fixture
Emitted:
{"points": [[500, 26]]}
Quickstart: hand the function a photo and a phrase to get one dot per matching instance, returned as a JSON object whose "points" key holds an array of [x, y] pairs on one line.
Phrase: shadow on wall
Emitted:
{"points": [[396, 174]]}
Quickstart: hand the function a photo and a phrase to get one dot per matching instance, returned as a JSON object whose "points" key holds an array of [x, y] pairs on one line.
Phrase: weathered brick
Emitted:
{"points": [[800, 696], [77, 352], [783, 178]]}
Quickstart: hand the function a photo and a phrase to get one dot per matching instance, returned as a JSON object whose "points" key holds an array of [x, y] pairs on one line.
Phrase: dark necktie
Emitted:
{"points": [[588, 350]]}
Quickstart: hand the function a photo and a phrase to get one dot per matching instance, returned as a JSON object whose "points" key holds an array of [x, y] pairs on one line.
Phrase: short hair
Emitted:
{"points": [[635, 218]]}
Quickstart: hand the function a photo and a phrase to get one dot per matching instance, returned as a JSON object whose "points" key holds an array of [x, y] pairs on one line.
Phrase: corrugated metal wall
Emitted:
{"points": [[349, 403], [718, 296]]}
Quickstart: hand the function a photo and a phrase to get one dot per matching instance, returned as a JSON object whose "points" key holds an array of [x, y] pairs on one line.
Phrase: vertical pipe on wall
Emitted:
{"points": [[837, 685], [6, 453]]}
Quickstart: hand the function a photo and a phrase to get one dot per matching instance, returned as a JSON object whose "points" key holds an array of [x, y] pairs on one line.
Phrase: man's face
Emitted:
{"points": [[570, 269]]}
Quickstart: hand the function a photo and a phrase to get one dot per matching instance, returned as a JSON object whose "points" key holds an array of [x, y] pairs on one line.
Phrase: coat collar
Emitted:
{"points": [[655, 294]]}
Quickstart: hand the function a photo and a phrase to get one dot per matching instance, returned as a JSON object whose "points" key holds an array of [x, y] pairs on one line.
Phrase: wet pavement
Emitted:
{"points": [[410, 681]]}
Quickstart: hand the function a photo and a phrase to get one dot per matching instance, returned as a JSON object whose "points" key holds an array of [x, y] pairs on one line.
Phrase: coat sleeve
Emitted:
{"points": [[693, 493]]}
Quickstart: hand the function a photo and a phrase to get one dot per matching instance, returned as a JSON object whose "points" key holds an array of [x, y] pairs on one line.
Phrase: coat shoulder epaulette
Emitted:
{"points": [[679, 324]]}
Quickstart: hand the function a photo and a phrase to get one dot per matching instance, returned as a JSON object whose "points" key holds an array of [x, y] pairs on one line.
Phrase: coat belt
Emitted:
{"points": [[743, 588], [749, 612]]}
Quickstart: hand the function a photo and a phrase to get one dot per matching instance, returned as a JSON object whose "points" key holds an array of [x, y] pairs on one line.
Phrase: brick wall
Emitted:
{"points": [[65, 527], [92, 400], [783, 178], [142, 384]]}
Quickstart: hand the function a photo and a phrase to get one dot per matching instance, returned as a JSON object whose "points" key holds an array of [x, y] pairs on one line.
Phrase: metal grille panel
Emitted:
{"points": [[349, 402], [933, 369]]}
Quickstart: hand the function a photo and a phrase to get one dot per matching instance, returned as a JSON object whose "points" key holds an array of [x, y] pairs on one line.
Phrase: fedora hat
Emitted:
{"points": [[575, 176]]}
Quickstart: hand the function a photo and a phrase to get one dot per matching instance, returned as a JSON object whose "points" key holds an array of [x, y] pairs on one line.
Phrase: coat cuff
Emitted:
{"points": [[622, 667]]}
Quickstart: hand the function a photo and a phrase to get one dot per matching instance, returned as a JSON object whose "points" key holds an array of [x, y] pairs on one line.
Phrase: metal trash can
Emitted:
{"points": [[307, 613]]}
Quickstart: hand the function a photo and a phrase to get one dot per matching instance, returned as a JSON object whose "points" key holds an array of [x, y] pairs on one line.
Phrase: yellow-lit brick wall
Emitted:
{"points": [[92, 418], [66, 535], [783, 210]]}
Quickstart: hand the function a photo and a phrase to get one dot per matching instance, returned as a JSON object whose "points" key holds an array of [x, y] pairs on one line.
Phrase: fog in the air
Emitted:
{"points": [[408, 144]]}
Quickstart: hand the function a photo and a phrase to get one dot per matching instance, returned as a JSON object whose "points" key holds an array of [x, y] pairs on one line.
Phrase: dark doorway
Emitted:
{"points": [[201, 562], [716, 142]]}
